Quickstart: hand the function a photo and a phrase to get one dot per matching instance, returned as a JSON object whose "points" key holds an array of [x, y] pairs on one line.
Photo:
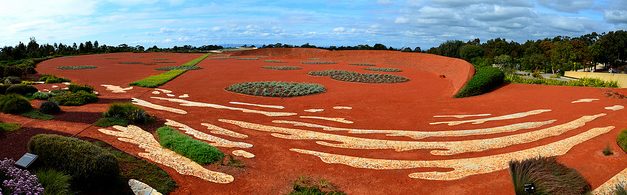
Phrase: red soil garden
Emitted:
{"points": [[409, 106]]}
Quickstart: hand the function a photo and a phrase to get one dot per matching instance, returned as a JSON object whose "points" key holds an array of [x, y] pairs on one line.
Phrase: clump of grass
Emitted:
{"points": [[54, 182], [108, 122], [328, 72], [548, 176], [52, 79], [160, 79], [276, 88], [282, 67], [362, 64], [9, 127], [319, 62], [36, 114], [607, 151], [196, 150], [75, 67], [231, 161], [309, 186], [123, 114], [384, 69]]}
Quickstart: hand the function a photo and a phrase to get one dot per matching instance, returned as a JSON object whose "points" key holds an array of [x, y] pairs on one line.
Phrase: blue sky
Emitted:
{"points": [[398, 23]]}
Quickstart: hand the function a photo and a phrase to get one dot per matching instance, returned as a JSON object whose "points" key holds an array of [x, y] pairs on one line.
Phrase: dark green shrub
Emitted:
{"points": [[52, 79], [14, 104], [22, 89], [276, 88], [132, 113], [8, 127], [69, 98], [54, 182], [75, 88], [41, 95], [49, 107], [88, 164], [548, 176], [12, 80], [3, 88], [621, 140], [309, 186], [36, 114], [607, 151], [189, 147], [485, 80], [108, 122]]}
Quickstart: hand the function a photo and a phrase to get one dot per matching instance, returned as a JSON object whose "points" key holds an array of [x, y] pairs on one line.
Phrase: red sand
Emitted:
{"points": [[409, 105]]}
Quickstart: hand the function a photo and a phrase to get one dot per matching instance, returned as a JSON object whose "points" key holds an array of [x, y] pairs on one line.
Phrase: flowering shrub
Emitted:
{"points": [[18, 181]]}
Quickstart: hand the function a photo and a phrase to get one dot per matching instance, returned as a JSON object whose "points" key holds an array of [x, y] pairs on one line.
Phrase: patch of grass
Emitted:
{"points": [[68, 98], [160, 79], [21, 89], [108, 122], [384, 69], [189, 147], [76, 67], [485, 80], [195, 62], [9, 127], [548, 176], [36, 114], [276, 88], [41, 95], [142, 170], [319, 62], [607, 151], [53, 79], [168, 68], [231, 161], [621, 140], [583, 82], [274, 61], [54, 182], [282, 67], [362, 64], [309, 186], [328, 72], [49, 107]]}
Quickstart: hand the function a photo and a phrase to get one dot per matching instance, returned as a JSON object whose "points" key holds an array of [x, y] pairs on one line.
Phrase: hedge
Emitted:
{"points": [[485, 80], [189, 147], [88, 164]]}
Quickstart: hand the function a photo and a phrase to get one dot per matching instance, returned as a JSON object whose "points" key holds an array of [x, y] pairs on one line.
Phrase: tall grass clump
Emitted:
{"points": [[548, 176], [54, 182], [309, 186], [189, 147], [485, 80]]}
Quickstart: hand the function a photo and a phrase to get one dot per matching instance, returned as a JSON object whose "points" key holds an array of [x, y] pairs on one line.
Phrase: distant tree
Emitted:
{"points": [[379, 46], [417, 49], [470, 51]]}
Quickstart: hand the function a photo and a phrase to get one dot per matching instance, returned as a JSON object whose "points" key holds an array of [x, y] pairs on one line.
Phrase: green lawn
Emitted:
{"points": [[160, 79]]}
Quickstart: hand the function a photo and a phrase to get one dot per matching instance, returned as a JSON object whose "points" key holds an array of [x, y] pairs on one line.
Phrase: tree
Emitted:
{"points": [[469, 52], [379, 46], [417, 49], [562, 56]]}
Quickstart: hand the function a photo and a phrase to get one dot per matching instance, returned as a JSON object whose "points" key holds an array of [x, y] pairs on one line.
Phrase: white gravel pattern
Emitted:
{"points": [[496, 118]]}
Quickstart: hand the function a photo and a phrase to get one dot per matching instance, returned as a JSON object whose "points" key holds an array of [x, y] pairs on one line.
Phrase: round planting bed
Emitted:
{"points": [[276, 88]]}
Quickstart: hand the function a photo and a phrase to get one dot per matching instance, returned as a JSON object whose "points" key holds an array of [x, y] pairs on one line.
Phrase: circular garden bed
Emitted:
{"points": [[348, 76], [282, 67], [276, 88]]}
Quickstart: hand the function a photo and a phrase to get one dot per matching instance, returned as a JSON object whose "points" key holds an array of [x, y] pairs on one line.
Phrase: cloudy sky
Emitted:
{"points": [[398, 23]]}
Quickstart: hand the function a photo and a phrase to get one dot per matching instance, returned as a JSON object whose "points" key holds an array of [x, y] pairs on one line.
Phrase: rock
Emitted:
{"points": [[140, 188]]}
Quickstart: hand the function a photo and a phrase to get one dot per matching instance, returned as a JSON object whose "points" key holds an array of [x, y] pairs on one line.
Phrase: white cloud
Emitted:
{"points": [[401, 20]]}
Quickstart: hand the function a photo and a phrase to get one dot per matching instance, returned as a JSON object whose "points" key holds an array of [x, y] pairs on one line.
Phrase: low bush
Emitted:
{"points": [[89, 165], [309, 186], [22, 89], [75, 67], [76, 88], [160, 79], [54, 182], [362, 64], [36, 114], [384, 69], [129, 112], [276, 89], [14, 104], [583, 82], [49, 107], [548, 176], [485, 80], [53, 79], [189, 147], [17, 181], [41, 95], [68, 98], [621, 140], [8, 127], [12, 80], [282, 67], [319, 62]]}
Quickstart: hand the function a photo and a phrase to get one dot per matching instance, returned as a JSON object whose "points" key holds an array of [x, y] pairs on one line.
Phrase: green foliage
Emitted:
{"points": [[282, 67], [12, 80], [130, 62], [621, 140], [362, 64], [469, 52], [76, 88], [53, 79], [168, 68], [3, 88], [247, 58], [8, 127], [54, 182], [21, 89], [160, 79], [583, 82], [485, 80], [68, 98], [309, 186], [549, 177], [14, 104], [129, 112], [88, 164], [607, 151], [276, 88], [328, 72], [189, 147], [108, 122], [36, 114], [76, 67], [348, 76], [49, 107], [195, 62], [384, 69], [41, 95], [620, 189], [142, 170]]}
